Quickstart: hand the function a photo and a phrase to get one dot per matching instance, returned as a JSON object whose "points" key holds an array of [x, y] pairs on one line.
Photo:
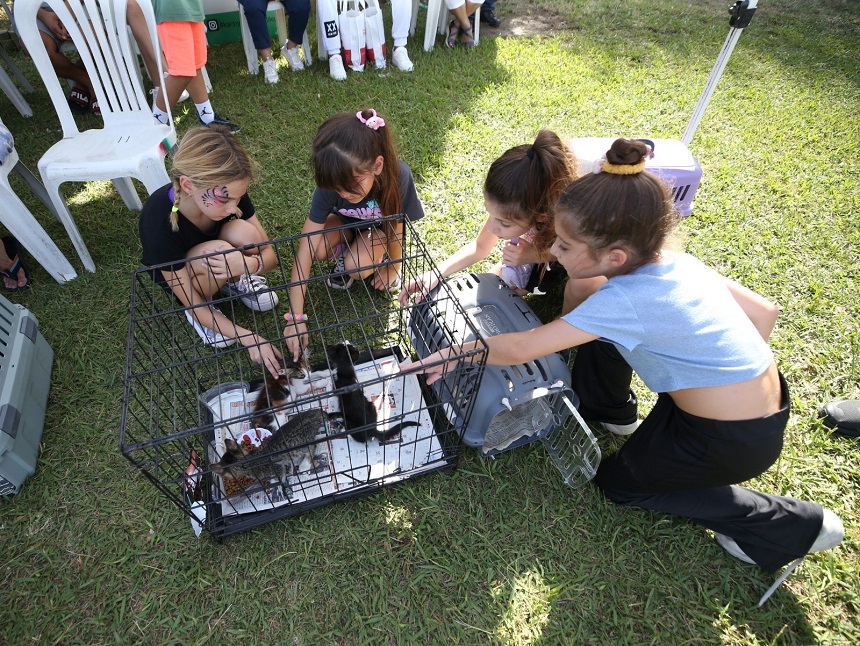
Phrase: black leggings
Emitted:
{"points": [[689, 466]]}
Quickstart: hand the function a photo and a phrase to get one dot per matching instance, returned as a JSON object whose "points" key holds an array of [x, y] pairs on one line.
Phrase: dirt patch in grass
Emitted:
{"points": [[520, 18]]}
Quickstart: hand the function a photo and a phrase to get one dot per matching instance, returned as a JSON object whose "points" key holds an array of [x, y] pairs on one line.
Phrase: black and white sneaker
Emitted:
{"points": [[253, 291], [339, 278]]}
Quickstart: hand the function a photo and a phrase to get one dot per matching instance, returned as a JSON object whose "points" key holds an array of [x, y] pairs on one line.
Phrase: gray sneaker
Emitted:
{"points": [[253, 291]]}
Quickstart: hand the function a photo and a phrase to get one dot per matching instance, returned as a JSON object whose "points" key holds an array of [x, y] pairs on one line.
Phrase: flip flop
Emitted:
{"points": [[79, 99], [15, 255]]}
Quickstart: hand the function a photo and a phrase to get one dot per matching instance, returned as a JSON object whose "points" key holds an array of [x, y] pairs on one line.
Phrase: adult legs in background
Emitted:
{"points": [[184, 45], [488, 14], [327, 17], [401, 16], [460, 29]]}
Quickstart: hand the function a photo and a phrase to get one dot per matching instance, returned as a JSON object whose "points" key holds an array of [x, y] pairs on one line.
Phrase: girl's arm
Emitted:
{"points": [[260, 350], [297, 331], [758, 309], [510, 349], [466, 256]]}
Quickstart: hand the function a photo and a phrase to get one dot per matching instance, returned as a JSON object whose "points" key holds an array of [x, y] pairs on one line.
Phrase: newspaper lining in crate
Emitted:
{"points": [[344, 462]]}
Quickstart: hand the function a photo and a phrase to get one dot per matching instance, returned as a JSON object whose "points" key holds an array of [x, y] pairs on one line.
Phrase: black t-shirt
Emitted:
{"points": [[325, 202], [161, 244]]}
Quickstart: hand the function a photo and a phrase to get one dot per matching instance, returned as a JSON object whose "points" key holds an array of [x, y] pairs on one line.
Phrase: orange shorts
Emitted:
{"points": [[184, 45]]}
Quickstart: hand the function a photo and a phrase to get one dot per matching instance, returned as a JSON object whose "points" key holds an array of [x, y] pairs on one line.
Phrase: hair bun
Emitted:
{"points": [[627, 151]]}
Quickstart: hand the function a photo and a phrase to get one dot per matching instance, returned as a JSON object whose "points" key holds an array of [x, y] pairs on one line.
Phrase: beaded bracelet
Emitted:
{"points": [[298, 318]]}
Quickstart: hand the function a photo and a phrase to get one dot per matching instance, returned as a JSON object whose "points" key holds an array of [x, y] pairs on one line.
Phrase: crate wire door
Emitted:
{"points": [[173, 426]]}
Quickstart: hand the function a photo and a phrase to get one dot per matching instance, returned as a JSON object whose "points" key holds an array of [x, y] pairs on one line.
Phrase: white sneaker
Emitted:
{"points": [[270, 70], [253, 291], [831, 534], [293, 58], [335, 67], [211, 338], [620, 429], [401, 61]]}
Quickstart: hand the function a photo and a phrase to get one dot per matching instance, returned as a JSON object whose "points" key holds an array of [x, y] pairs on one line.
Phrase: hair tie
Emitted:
{"points": [[172, 195], [530, 152], [623, 169], [373, 122]]}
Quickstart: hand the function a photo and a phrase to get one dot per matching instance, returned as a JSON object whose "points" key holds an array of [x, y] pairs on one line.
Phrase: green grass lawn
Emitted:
{"points": [[498, 551]]}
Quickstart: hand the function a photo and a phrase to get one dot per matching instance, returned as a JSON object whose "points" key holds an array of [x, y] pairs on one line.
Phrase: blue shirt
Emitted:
{"points": [[677, 324]]}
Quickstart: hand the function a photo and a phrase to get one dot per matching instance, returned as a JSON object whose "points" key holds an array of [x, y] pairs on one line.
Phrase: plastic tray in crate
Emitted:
{"points": [[173, 430], [25, 379]]}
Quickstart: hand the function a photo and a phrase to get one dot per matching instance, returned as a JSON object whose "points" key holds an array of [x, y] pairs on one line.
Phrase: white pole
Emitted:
{"points": [[741, 15]]}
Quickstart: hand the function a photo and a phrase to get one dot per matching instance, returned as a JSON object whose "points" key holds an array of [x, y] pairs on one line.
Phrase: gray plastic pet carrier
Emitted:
{"points": [[25, 379], [511, 405]]}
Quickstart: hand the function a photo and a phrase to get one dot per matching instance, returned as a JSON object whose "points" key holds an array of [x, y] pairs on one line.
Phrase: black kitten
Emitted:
{"points": [[357, 411]]}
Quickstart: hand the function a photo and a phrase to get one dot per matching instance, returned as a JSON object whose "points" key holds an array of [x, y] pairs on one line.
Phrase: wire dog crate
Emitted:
{"points": [[187, 405]]}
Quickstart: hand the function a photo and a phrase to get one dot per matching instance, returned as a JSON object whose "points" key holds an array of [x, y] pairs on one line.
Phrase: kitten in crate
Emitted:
{"points": [[280, 455], [357, 411], [295, 380]]}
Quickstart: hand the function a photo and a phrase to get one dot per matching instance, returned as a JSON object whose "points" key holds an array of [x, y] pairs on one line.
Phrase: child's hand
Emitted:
{"points": [[425, 365], [420, 285], [264, 353], [523, 253], [227, 266], [297, 338]]}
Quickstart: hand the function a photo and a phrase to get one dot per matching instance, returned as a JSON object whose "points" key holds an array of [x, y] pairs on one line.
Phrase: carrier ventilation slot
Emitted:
{"points": [[679, 193]]}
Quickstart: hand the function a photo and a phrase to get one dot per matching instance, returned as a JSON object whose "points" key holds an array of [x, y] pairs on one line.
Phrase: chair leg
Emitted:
{"points": [[125, 187], [248, 44], [14, 94], [37, 188], [414, 20], [17, 72], [153, 175], [434, 8], [17, 218], [68, 222]]}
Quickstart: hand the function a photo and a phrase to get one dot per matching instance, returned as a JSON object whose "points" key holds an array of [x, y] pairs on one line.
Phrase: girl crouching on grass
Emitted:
{"points": [[206, 210], [693, 336], [520, 192], [359, 180]]}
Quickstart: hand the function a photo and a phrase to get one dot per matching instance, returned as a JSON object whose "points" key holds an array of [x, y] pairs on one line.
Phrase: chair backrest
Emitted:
{"points": [[99, 33]]}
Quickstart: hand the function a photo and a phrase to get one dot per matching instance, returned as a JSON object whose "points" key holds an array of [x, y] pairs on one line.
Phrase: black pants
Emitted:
{"points": [[689, 466]]}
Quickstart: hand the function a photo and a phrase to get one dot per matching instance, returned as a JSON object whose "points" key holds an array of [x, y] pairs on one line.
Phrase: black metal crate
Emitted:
{"points": [[182, 400]]}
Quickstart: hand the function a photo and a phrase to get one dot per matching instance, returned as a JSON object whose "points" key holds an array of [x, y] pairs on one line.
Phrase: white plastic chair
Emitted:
{"points": [[131, 144], [439, 24], [16, 217], [283, 36]]}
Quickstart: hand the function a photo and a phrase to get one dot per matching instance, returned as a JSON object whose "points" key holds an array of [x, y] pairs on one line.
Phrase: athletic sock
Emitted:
{"points": [[205, 112]]}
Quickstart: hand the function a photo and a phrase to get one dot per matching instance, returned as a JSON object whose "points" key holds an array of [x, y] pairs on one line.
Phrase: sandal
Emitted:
{"points": [[15, 255], [79, 99], [453, 33], [467, 36], [96, 109]]}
